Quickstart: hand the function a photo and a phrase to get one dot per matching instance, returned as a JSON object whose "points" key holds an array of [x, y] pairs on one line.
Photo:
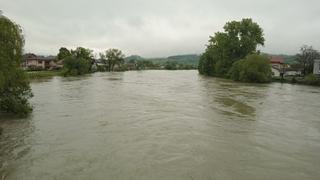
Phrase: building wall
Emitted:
{"points": [[275, 72], [37, 63], [316, 67]]}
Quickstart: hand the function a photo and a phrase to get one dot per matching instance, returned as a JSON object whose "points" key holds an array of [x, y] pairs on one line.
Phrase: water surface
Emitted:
{"points": [[163, 125]]}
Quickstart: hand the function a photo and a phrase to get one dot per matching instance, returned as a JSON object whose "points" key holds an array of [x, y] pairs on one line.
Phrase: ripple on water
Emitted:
{"points": [[163, 125]]}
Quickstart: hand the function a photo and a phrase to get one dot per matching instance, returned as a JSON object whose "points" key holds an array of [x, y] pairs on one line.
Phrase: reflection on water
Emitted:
{"points": [[163, 125]]}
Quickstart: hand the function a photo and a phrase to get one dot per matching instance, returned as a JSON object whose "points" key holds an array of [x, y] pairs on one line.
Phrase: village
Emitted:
{"points": [[279, 67]]}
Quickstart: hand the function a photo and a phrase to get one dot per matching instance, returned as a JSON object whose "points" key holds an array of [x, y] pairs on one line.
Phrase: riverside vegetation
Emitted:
{"points": [[14, 85], [233, 53]]}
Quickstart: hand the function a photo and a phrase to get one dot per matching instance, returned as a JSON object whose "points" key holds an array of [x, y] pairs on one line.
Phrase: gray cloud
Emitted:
{"points": [[159, 28]]}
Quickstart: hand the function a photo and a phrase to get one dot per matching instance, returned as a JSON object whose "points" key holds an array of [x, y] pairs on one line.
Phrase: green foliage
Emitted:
{"points": [[113, 57], [239, 39], [254, 68], [82, 53], [311, 79], [171, 65], [63, 53], [14, 86], [145, 64], [74, 66], [76, 62]]}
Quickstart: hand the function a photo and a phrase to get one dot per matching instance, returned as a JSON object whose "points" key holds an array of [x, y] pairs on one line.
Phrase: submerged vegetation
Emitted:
{"points": [[239, 39], [254, 68], [14, 86]]}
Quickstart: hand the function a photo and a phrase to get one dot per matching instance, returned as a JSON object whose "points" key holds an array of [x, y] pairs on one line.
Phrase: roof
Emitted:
{"points": [[30, 56], [276, 60]]}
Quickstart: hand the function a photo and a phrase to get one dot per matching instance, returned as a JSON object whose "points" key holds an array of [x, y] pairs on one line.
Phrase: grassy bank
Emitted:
{"points": [[43, 74]]}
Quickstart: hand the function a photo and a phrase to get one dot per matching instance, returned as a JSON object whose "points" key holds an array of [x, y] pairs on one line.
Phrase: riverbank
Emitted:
{"points": [[297, 80], [43, 74]]}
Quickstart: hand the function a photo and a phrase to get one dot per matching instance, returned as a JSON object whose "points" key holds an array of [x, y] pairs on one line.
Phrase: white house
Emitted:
{"points": [[316, 67], [277, 65]]}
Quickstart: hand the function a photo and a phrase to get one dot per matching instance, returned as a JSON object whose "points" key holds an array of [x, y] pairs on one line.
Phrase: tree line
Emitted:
{"points": [[80, 61]]}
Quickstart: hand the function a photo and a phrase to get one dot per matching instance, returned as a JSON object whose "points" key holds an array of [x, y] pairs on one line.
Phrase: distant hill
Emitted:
{"points": [[134, 57], [189, 59]]}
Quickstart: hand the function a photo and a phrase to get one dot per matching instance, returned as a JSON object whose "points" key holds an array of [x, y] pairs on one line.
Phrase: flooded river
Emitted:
{"points": [[163, 125]]}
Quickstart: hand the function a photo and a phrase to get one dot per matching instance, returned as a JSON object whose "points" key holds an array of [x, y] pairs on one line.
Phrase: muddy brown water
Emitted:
{"points": [[163, 125]]}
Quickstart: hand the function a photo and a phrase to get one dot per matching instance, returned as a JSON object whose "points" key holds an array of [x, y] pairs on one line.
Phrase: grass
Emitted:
{"points": [[43, 74]]}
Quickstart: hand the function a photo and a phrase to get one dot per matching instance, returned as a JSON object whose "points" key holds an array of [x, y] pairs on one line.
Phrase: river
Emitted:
{"points": [[163, 125]]}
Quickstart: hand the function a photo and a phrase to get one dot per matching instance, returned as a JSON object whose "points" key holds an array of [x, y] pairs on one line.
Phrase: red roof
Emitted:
{"points": [[276, 60]]}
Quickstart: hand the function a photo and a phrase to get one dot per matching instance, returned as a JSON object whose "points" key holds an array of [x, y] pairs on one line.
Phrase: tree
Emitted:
{"points": [[254, 68], [14, 87], [306, 58], [239, 39], [76, 66], [171, 65], [114, 57], [63, 53], [76, 62], [83, 53]]}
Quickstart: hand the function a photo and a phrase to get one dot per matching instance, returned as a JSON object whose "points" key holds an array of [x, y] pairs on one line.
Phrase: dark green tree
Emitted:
{"points": [[63, 53], [76, 66], [171, 65], [254, 68], [79, 61], [14, 86], [83, 53], [239, 39]]}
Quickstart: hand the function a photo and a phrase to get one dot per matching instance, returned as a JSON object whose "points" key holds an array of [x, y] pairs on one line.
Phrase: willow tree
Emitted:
{"points": [[239, 39], [14, 86]]}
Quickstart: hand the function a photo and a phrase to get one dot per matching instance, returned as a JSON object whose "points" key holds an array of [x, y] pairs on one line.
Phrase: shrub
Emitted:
{"points": [[76, 66], [254, 68], [311, 79]]}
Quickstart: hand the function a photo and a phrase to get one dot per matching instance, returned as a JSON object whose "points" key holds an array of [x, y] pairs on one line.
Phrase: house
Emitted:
{"points": [[34, 62], [316, 67], [99, 65], [293, 71], [277, 65]]}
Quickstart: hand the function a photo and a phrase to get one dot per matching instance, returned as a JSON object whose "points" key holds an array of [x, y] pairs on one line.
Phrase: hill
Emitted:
{"points": [[189, 59]]}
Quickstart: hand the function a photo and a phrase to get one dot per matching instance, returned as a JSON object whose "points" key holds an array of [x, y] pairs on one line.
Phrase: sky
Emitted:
{"points": [[161, 28]]}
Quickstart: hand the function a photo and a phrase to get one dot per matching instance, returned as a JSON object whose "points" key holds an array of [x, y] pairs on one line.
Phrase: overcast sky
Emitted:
{"points": [[153, 28]]}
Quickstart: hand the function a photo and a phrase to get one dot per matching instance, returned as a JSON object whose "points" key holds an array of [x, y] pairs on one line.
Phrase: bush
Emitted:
{"points": [[76, 66], [171, 65], [254, 68], [311, 79]]}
